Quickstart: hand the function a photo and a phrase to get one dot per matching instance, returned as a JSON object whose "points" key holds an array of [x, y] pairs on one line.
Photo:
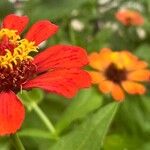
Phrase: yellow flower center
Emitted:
{"points": [[13, 49], [117, 60]]}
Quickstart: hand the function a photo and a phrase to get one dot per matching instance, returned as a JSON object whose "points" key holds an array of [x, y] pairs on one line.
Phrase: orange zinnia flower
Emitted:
{"points": [[129, 17], [117, 71]]}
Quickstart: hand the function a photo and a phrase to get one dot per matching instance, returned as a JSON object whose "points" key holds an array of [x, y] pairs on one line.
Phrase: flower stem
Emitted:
{"points": [[44, 118], [72, 36], [17, 142]]}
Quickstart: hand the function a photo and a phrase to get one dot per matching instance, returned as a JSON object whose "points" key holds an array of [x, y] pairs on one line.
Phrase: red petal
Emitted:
{"points": [[11, 113], [15, 22], [61, 56], [64, 82], [41, 31]]}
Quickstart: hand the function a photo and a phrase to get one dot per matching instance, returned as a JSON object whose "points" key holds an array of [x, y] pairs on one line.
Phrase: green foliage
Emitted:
{"points": [[85, 102], [142, 51], [82, 123], [90, 134], [6, 8], [120, 142], [34, 95], [51, 9]]}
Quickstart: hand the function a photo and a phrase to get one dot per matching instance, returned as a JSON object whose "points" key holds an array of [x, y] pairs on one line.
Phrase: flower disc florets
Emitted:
{"points": [[15, 63], [115, 74]]}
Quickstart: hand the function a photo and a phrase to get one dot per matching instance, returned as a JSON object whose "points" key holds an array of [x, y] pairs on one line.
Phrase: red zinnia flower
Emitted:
{"points": [[130, 17], [57, 69]]}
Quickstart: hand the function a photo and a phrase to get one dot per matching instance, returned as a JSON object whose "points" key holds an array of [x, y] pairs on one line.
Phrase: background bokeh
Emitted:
{"points": [[90, 24]]}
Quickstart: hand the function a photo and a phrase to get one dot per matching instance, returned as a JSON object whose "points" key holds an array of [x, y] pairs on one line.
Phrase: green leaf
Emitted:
{"points": [[121, 142], [4, 143], [91, 133], [143, 52], [87, 101], [5, 8]]}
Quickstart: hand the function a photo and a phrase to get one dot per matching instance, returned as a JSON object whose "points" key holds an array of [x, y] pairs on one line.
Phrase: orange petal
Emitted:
{"points": [[97, 77], [121, 16], [105, 51], [140, 65], [131, 62], [100, 60], [94, 61], [105, 54], [106, 86], [138, 19], [133, 87], [128, 60], [139, 75], [129, 17], [117, 93]]}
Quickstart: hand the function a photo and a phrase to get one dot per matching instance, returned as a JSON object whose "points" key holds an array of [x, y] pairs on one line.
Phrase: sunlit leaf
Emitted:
{"points": [[87, 101], [91, 133]]}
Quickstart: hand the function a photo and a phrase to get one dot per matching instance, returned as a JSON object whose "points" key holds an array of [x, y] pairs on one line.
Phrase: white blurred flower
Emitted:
{"points": [[133, 5], [77, 25], [112, 26], [106, 8], [19, 12], [141, 33], [12, 1], [103, 2]]}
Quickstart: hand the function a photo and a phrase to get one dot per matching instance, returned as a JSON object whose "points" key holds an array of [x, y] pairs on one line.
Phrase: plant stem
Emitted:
{"points": [[72, 36], [17, 142], [44, 118]]}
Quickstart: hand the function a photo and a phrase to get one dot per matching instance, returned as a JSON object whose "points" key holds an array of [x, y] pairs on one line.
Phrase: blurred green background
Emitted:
{"points": [[90, 24]]}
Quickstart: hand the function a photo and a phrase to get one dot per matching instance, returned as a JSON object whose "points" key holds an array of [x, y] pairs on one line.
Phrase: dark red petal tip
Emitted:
{"points": [[11, 113], [15, 22], [41, 31], [65, 82], [61, 56]]}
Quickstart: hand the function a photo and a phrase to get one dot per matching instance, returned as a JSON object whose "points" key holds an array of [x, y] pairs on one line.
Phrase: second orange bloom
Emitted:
{"points": [[130, 17], [116, 72]]}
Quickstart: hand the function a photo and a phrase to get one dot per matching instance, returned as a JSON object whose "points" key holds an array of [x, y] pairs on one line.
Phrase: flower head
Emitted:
{"points": [[129, 17], [57, 69], [116, 71]]}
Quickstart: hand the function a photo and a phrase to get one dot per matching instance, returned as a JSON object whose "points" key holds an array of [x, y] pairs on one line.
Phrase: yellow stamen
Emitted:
{"points": [[20, 52], [11, 34]]}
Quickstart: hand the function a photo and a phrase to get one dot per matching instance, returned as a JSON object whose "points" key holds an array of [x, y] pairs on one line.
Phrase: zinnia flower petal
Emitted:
{"points": [[131, 62], [61, 56], [100, 60], [139, 75], [97, 77], [65, 82], [129, 17], [11, 113], [106, 86], [133, 87], [117, 92], [41, 31], [15, 22]]}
